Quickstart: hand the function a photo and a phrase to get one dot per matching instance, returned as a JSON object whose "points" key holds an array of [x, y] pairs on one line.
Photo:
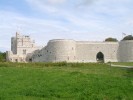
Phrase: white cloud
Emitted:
{"points": [[103, 15], [56, 1], [49, 6], [41, 30], [74, 17], [93, 20]]}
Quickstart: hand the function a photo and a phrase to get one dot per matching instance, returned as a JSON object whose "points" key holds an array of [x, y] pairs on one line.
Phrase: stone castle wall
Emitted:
{"points": [[125, 51], [56, 51], [76, 51], [87, 51], [23, 49]]}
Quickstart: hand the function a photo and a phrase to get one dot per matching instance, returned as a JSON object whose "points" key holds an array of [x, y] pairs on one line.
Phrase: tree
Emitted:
{"points": [[2, 56], [129, 37], [110, 39]]}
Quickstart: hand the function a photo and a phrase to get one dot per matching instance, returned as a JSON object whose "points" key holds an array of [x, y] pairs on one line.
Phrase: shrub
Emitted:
{"points": [[129, 37], [110, 39]]}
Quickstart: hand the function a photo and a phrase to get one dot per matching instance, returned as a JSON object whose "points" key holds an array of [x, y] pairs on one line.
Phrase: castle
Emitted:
{"points": [[23, 49]]}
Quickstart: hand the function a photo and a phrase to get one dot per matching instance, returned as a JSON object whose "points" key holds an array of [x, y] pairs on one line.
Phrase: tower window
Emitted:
{"points": [[24, 52], [72, 48], [68, 58]]}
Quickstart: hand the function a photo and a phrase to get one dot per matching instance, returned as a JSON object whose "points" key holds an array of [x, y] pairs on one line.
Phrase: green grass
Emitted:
{"points": [[64, 81], [124, 63]]}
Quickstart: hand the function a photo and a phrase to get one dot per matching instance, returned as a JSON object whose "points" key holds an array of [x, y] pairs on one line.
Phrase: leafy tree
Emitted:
{"points": [[2, 56], [129, 37], [110, 39]]}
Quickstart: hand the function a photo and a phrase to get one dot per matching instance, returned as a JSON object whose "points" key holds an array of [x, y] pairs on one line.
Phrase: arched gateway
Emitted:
{"points": [[100, 57]]}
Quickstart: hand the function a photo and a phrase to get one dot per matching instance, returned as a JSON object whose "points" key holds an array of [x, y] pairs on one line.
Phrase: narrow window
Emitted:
{"points": [[72, 48], [74, 57], [68, 57], [24, 52]]}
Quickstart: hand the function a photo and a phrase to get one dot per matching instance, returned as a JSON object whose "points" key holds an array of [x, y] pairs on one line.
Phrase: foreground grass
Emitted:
{"points": [[46, 81]]}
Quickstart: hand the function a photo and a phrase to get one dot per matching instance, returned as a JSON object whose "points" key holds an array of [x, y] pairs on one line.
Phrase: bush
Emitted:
{"points": [[110, 39], [129, 37], [2, 57]]}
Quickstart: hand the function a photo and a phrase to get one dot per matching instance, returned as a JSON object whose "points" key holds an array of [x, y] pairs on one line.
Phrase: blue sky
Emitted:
{"points": [[83, 20]]}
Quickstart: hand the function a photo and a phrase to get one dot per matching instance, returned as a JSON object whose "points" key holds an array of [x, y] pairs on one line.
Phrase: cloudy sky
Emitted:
{"points": [[91, 20]]}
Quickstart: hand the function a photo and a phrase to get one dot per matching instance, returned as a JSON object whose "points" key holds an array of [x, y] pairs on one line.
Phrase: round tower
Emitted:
{"points": [[59, 50], [126, 51]]}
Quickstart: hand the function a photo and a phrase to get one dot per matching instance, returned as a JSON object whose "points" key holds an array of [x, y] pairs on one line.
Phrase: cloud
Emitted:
{"points": [[41, 30], [49, 6], [56, 1], [93, 20], [85, 3], [76, 19]]}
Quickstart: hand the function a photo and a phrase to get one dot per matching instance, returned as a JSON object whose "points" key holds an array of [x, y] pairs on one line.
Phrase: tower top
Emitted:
{"points": [[17, 34]]}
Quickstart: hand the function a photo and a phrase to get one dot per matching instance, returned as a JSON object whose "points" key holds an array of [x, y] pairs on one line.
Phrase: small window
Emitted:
{"points": [[68, 57], [24, 52], [74, 57], [72, 48]]}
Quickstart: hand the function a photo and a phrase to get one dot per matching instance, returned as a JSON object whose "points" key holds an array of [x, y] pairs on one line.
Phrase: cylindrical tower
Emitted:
{"points": [[126, 51], [59, 50]]}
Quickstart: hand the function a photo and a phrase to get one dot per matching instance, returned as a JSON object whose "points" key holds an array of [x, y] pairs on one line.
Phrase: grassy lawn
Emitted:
{"points": [[124, 63], [62, 81]]}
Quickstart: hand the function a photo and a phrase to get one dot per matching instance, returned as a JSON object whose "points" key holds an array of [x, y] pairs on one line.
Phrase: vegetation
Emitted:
{"points": [[64, 81], [129, 37], [123, 63], [2, 57], [110, 39]]}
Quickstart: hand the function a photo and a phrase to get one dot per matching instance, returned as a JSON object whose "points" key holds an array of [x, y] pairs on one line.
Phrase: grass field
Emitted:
{"points": [[124, 63], [63, 81]]}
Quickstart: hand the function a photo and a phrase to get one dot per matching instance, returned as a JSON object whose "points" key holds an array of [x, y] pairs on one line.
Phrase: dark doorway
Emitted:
{"points": [[100, 57], [30, 60], [16, 60]]}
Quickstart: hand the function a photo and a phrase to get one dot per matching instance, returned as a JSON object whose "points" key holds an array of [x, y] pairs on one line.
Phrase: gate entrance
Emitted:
{"points": [[100, 57]]}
